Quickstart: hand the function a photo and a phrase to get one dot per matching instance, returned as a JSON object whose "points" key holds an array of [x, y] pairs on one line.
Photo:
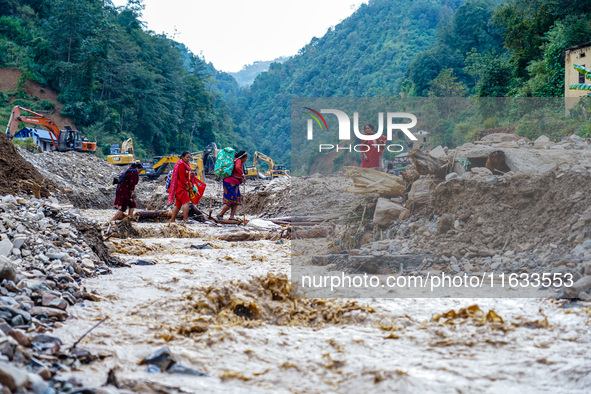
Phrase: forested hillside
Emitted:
{"points": [[115, 79], [245, 77], [398, 48], [494, 49], [365, 55]]}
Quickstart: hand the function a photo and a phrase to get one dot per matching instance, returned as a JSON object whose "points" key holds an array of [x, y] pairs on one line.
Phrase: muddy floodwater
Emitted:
{"points": [[376, 345]]}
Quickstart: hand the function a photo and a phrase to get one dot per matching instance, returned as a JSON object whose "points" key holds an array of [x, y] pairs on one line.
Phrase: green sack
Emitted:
{"points": [[224, 163]]}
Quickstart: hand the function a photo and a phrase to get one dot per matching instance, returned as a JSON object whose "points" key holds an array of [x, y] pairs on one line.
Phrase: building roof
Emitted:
{"points": [[43, 135], [579, 46]]}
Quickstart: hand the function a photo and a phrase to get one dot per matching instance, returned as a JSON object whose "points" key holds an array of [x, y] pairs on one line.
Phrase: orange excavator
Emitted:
{"points": [[63, 140]]}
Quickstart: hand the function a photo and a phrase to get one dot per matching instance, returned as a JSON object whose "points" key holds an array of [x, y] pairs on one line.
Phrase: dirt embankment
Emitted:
{"points": [[526, 212], [9, 82], [15, 169]]}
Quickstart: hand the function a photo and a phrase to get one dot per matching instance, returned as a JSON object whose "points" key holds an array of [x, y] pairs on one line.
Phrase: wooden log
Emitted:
{"points": [[230, 221], [369, 181], [297, 219], [244, 235], [323, 231], [153, 214], [36, 188], [429, 165]]}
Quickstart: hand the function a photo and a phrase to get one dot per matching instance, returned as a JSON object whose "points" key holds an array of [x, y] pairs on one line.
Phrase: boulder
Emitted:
{"points": [[438, 152], [49, 312], [420, 193], [582, 285], [451, 175], [8, 269], [18, 242], [500, 137], [542, 138], [6, 247], [518, 160], [386, 211], [11, 377]]}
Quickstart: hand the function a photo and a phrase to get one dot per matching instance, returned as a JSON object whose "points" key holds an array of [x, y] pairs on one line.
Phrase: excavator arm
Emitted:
{"points": [[127, 147], [38, 119], [274, 170], [163, 164], [266, 159]]}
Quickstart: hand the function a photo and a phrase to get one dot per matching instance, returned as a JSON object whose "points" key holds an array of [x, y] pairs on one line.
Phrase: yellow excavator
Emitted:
{"points": [[124, 156], [251, 172], [162, 164], [205, 160], [274, 170]]}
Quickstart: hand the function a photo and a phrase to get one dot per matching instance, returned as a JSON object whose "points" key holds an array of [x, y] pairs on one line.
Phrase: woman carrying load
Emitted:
{"points": [[232, 197]]}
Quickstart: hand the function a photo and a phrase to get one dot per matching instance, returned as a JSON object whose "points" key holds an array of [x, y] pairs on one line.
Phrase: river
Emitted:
{"points": [[384, 345]]}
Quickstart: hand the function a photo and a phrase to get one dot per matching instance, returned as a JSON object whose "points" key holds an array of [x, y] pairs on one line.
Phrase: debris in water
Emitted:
{"points": [[472, 313], [163, 360], [265, 300], [201, 246], [140, 262]]}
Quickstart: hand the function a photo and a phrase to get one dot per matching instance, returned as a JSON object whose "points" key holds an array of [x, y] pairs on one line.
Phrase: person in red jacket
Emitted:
{"points": [[372, 158], [178, 191], [232, 197], [124, 196]]}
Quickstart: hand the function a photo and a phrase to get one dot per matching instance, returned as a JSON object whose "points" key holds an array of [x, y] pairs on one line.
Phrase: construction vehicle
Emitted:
{"points": [[205, 160], [251, 172], [202, 163], [63, 140], [124, 156], [162, 164], [273, 172]]}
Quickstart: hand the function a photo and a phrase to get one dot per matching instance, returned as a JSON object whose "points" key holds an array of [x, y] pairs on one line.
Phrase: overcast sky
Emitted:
{"points": [[232, 33]]}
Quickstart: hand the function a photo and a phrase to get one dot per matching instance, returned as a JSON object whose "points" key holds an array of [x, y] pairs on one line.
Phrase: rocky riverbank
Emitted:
{"points": [[46, 251]]}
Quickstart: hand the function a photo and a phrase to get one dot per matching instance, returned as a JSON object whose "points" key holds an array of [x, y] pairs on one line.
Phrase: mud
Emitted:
{"points": [[523, 211], [14, 169], [322, 196], [9, 82], [227, 311]]}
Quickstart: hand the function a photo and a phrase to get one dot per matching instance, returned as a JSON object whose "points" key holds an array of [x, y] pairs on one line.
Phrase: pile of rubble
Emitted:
{"points": [[269, 200], [83, 179], [503, 204], [46, 250]]}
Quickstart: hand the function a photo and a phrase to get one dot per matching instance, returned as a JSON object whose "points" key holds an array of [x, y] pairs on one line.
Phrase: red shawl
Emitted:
{"points": [[174, 179]]}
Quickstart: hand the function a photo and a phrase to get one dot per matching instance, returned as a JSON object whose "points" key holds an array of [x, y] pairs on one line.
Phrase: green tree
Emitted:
{"points": [[491, 72], [446, 84]]}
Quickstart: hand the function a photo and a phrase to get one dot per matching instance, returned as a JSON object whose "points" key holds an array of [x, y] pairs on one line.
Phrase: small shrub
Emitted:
{"points": [[27, 144], [47, 105]]}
